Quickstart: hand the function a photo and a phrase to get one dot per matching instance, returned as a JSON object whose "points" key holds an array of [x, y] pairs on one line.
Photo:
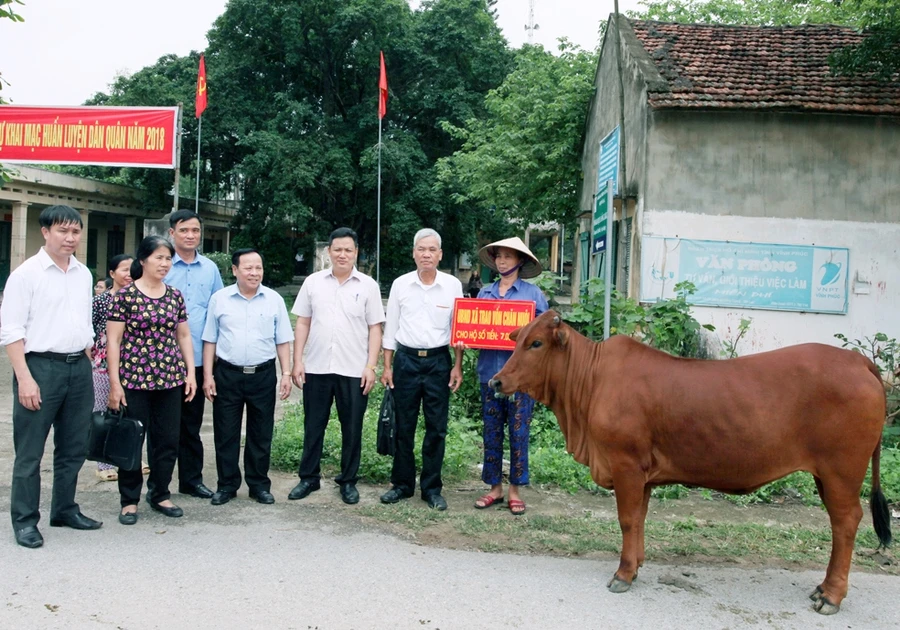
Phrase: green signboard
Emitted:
{"points": [[601, 218]]}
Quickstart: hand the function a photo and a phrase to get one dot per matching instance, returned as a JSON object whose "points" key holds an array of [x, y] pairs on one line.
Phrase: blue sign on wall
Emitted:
{"points": [[749, 275], [609, 161]]}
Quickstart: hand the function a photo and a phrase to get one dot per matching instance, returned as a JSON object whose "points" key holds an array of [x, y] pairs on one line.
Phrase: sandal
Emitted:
{"points": [[107, 474], [517, 507], [487, 501]]}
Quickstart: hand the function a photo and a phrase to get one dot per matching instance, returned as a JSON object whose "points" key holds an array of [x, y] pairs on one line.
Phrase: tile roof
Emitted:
{"points": [[758, 67]]}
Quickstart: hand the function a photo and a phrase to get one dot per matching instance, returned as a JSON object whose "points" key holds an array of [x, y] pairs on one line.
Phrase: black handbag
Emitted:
{"points": [[384, 442], [116, 439]]}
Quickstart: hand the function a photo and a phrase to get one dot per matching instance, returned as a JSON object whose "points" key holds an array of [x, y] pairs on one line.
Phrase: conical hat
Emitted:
{"points": [[529, 269]]}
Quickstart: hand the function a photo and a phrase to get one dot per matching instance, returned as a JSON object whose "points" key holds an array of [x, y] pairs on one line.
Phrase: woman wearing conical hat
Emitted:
{"points": [[512, 259]]}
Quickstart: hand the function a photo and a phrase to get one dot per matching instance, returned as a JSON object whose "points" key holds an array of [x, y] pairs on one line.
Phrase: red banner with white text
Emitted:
{"points": [[103, 136], [486, 324]]}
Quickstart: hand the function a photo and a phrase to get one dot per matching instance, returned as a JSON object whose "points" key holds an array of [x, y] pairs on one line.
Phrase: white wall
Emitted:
{"points": [[874, 253]]}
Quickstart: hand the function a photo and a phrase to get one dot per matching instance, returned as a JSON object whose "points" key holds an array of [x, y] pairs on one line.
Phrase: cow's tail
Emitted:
{"points": [[881, 515]]}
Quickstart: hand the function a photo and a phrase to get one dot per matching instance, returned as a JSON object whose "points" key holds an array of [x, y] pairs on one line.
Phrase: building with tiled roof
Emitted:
{"points": [[742, 139]]}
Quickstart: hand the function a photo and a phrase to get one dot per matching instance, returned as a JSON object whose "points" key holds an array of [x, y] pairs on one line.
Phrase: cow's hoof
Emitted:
{"points": [[816, 595], [825, 607], [618, 585]]}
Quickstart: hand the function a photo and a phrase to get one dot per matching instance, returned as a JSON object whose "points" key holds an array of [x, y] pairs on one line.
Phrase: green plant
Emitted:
{"points": [[669, 325], [586, 316], [729, 350], [547, 282], [223, 262], [884, 351]]}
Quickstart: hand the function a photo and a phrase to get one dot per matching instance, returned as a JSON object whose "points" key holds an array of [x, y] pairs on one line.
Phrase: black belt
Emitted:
{"points": [[424, 352], [71, 357], [247, 369]]}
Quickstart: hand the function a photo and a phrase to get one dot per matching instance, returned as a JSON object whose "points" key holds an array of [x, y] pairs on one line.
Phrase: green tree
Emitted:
{"points": [[298, 128], [6, 11], [523, 160], [878, 55]]}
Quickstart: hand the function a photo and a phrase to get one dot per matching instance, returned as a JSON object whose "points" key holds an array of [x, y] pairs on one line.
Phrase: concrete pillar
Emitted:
{"points": [[130, 235], [554, 252], [18, 248], [81, 250], [227, 240]]}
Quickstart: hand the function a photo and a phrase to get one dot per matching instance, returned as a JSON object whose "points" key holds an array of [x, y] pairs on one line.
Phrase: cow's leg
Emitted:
{"points": [[845, 513], [630, 488], [641, 525]]}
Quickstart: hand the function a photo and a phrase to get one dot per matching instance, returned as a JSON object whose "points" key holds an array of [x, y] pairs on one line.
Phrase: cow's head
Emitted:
{"points": [[537, 346]]}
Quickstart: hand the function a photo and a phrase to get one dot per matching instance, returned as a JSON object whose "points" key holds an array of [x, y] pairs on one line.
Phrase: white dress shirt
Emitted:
{"points": [[47, 307], [340, 316], [418, 315]]}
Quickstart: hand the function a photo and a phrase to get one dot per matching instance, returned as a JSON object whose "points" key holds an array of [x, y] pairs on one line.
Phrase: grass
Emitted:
{"points": [[585, 535]]}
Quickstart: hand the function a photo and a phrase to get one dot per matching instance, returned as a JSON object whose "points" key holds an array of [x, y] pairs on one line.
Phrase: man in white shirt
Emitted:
{"points": [[417, 368], [339, 316], [47, 332]]}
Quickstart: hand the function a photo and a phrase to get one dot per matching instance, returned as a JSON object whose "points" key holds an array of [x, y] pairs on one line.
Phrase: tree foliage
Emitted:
{"points": [[877, 56], [298, 128], [7, 11], [523, 160]]}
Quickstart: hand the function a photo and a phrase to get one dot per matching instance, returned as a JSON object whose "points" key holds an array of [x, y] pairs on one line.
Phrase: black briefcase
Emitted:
{"points": [[384, 442], [116, 439]]}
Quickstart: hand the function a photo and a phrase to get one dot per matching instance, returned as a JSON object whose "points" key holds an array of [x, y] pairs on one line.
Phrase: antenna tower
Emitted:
{"points": [[531, 27]]}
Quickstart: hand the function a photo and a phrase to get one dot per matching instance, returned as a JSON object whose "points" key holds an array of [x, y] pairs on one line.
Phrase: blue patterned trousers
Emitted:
{"points": [[515, 412]]}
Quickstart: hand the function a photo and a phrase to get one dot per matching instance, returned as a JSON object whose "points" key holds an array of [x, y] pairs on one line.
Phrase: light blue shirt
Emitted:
{"points": [[246, 331], [197, 282]]}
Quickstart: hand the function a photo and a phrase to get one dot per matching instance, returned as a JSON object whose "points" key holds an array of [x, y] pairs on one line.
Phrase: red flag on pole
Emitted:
{"points": [[201, 89], [382, 90]]}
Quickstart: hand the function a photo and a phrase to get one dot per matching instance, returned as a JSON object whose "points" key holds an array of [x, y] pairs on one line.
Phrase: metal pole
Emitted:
{"points": [[197, 196], [177, 161], [607, 260], [378, 230]]}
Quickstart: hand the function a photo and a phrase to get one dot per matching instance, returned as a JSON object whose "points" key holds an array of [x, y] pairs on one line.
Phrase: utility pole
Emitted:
{"points": [[531, 27]]}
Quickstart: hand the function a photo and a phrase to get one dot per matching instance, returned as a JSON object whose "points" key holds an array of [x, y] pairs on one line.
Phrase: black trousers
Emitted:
{"points": [[319, 392], [160, 411], [420, 381], [234, 390], [67, 397], [190, 447]]}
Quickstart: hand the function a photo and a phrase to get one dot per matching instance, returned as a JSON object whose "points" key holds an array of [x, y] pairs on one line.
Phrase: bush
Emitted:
{"points": [[223, 262]]}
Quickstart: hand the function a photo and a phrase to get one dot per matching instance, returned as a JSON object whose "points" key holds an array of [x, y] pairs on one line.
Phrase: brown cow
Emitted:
{"points": [[640, 418]]}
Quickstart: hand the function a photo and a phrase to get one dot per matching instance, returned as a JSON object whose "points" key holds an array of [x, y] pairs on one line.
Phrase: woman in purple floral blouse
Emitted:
{"points": [[151, 366]]}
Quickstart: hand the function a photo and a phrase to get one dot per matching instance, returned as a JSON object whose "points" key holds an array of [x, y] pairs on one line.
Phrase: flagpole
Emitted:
{"points": [[378, 232], [199, 134], [177, 161]]}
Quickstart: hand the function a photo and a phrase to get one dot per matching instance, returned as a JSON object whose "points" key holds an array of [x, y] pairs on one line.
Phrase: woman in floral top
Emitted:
{"points": [[120, 273], [151, 366]]}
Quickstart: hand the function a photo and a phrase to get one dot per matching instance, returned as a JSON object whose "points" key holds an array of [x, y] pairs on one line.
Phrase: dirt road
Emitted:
{"points": [[314, 564]]}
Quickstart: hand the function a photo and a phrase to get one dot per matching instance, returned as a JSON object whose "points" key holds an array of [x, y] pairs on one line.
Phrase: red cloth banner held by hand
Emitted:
{"points": [[382, 90], [201, 89]]}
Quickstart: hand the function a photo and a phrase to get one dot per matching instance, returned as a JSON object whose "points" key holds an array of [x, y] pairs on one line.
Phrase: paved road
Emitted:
{"points": [[313, 566]]}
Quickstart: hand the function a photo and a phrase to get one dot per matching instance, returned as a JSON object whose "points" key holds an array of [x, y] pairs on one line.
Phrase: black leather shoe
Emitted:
{"points": [[199, 491], [262, 496], [303, 489], [436, 502], [29, 537], [349, 493], [128, 518], [221, 497], [172, 512], [76, 521], [394, 495]]}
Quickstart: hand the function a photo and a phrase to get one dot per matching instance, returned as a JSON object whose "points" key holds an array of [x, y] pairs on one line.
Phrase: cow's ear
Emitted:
{"points": [[514, 334], [563, 336]]}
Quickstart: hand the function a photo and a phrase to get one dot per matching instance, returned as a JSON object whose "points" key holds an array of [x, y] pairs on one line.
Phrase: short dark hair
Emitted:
{"points": [[55, 215], [343, 232], [236, 256], [183, 215], [149, 245], [115, 261]]}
